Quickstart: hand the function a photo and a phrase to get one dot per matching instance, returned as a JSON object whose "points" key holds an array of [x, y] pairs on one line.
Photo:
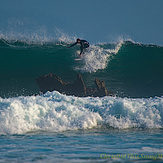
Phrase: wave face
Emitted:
{"points": [[55, 112], [129, 69]]}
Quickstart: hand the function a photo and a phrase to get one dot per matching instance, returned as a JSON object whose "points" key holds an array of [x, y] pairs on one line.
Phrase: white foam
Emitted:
{"points": [[52, 112], [56, 112], [96, 58], [152, 150]]}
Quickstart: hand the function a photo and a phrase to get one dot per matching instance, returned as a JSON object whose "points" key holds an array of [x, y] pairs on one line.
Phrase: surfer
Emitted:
{"points": [[83, 45]]}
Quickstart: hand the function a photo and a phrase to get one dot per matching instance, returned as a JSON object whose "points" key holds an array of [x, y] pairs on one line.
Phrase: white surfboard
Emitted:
{"points": [[78, 59]]}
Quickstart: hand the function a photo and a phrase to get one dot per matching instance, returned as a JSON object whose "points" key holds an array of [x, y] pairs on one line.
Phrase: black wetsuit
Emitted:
{"points": [[83, 45]]}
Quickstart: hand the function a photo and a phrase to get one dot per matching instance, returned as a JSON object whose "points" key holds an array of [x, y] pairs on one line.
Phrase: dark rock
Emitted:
{"points": [[101, 89], [52, 82], [77, 88]]}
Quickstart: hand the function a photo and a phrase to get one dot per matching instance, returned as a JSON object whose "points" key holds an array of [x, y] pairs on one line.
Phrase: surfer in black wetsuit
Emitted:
{"points": [[83, 45]]}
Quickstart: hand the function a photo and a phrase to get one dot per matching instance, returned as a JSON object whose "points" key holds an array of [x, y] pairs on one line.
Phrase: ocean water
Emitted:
{"points": [[54, 127], [129, 69]]}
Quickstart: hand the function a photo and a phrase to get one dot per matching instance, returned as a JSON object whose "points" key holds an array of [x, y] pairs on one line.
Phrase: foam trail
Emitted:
{"points": [[56, 112], [96, 58]]}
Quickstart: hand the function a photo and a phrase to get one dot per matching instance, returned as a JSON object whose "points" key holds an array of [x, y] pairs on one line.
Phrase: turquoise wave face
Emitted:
{"points": [[128, 69]]}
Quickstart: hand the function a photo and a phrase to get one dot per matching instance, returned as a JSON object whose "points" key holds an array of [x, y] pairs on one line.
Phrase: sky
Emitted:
{"points": [[93, 20]]}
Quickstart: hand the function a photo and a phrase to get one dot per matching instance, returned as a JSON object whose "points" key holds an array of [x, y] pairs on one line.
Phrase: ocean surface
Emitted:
{"points": [[54, 127]]}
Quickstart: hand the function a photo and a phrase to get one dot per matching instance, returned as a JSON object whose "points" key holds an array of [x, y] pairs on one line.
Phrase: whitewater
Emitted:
{"points": [[56, 113], [54, 127]]}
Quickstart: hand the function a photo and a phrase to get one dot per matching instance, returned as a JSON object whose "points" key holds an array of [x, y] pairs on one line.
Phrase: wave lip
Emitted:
{"points": [[55, 112]]}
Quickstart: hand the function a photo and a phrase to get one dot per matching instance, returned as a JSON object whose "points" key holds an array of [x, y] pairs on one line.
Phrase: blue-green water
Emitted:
{"points": [[104, 145], [128, 69], [57, 128]]}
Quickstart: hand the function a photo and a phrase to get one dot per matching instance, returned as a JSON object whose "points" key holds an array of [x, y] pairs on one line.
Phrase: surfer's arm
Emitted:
{"points": [[72, 45]]}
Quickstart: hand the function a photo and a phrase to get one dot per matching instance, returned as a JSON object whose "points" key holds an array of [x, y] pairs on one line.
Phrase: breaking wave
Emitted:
{"points": [[55, 112], [128, 69]]}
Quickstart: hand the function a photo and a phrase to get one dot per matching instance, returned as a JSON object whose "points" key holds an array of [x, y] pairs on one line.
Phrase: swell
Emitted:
{"points": [[128, 68]]}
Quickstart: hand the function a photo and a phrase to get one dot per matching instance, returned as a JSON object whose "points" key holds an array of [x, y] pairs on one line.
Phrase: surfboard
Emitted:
{"points": [[78, 59]]}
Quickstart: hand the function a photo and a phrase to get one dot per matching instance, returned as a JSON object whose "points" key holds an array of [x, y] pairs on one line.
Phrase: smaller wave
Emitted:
{"points": [[55, 112], [97, 57]]}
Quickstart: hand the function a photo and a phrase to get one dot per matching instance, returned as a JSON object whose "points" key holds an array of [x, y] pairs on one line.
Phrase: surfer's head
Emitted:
{"points": [[78, 40]]}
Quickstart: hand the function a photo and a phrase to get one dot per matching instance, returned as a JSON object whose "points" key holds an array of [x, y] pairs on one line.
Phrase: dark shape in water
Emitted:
{"points": [[51, 82], [101, 89]]}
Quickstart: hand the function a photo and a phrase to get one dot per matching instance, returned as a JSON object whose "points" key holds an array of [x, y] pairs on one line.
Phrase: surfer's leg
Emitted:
{"points": [[81, 48]]}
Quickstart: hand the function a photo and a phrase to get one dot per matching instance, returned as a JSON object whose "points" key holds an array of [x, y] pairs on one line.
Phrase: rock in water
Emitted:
{"points": [[101, 89], [52, 82], [79, 86]]}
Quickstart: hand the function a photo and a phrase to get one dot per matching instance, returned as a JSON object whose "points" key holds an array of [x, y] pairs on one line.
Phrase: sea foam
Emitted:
{"points": [[97, 57], [55, 112]]}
